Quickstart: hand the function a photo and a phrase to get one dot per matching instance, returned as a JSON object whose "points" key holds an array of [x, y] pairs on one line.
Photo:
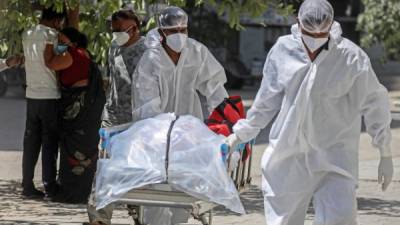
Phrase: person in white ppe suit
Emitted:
{"points": [[169, 78], [321, 85], [175, 70]]}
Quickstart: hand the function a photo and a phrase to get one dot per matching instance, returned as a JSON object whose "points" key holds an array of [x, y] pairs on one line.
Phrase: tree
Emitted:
{"points": [[17, 15], [380, 24]]}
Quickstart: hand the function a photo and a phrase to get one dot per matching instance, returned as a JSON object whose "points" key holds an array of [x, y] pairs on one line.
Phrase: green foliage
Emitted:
{"points": [[15, 16], [380, 23], [93, 24], [18, 15]]}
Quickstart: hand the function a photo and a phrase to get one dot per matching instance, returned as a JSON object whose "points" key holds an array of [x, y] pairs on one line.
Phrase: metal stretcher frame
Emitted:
{"points": [[162, 195]]}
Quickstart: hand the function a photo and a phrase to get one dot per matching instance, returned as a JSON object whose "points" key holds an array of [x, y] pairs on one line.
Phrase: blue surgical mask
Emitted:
{"points": [[61, 48]]}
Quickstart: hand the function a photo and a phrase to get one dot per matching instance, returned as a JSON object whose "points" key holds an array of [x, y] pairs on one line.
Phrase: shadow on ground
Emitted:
{"points": [[13, 204], [252, 200], [14, 209], [374, 206]]}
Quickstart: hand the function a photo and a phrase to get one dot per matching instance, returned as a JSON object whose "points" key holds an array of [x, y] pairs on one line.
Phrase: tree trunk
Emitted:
{"points": [[73, 17]]}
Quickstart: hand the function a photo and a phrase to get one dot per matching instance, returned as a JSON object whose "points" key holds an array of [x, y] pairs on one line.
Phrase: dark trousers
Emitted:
{"points": [[41, 132]]}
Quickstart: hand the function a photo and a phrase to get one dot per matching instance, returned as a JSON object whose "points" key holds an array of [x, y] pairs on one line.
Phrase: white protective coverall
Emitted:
{"points": [[313, 148], [160, 86]]}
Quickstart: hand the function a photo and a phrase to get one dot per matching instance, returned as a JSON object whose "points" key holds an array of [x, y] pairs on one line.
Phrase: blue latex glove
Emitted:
{"points": [[225, 150], [104, 139]]}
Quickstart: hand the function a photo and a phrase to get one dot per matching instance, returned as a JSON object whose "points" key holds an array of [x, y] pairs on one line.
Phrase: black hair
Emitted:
{"points": [[125, 14], [51, 14], [75, 37]]}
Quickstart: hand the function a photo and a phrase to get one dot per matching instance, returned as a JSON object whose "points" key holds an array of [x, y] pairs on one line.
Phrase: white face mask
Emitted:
{"points": [[177, 41], [120, 38], [312, 43]]}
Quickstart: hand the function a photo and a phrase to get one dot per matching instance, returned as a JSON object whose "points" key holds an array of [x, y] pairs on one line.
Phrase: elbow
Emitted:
{"points": [[56, 66], [50, 65]]}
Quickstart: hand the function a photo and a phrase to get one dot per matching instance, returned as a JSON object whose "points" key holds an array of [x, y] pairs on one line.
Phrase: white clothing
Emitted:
{"points": [[41, 81], [161, 86], [320, 105], [316, 16], [333, 196]]}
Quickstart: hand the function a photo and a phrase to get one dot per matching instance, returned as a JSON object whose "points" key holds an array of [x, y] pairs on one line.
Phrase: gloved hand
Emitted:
{"points": [[385, 172], [234, 161], [231, 150], [232, 141], [233, 157]]}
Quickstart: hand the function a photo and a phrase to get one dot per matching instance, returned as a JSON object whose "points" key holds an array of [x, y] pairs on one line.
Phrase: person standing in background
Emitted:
{"points": [[81, 105], [42, 95], [321, 94], [125, 52]]}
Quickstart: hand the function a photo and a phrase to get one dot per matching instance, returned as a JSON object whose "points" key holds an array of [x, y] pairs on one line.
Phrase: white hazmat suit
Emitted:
{"points": [[160, 86], [313, 148]]}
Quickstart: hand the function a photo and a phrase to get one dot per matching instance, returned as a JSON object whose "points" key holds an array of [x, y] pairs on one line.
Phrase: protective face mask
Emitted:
{"points": [[120, 38], [61, 48], [177, 41], [312, 43]]}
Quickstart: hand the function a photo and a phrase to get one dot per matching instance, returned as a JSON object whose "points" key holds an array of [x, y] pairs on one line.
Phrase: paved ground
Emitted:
{"points": [[375, 207]]}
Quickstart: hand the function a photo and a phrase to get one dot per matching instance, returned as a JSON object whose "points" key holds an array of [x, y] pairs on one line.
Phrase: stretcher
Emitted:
{"points": [[162, 195]]}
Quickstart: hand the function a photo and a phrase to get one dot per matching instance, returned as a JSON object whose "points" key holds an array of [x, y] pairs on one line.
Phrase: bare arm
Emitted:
{"points": [[73, 17], [11, 61], [56, 62]]}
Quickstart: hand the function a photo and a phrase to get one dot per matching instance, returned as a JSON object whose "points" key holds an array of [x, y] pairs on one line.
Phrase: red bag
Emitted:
{"points": [[225, 116]]}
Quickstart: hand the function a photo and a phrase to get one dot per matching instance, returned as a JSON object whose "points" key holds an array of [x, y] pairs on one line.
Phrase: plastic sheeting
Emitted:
{"points": [[195, 165], [316, 16]]}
